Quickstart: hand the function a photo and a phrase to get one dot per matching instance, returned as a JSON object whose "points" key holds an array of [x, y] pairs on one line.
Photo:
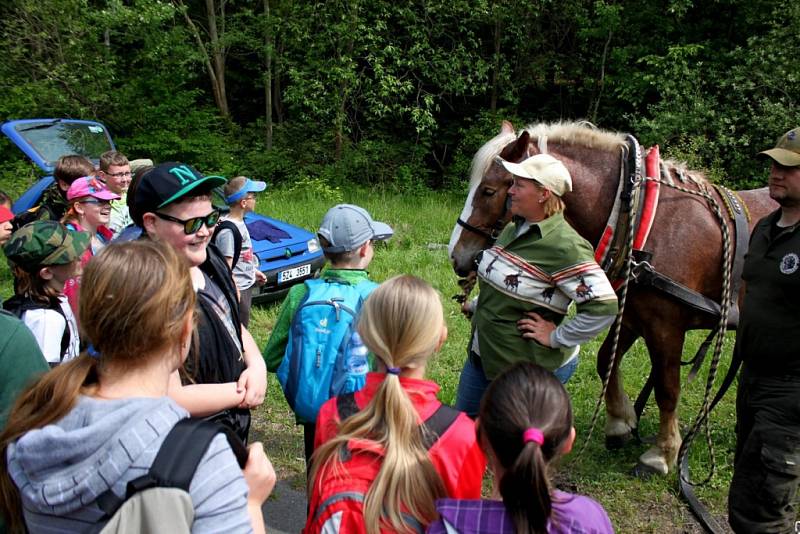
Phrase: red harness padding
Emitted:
{"points": [[644, 216], [650, 202]]}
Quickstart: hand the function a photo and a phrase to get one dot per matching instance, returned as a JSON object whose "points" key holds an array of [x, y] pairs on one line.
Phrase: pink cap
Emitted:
{"points": [[89, 186], [5, 214]]}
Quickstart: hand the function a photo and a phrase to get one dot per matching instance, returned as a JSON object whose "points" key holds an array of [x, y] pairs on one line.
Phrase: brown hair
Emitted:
{"points": [[33, 285], [233, 186], [338, 258], [112, 158], [135, 299], [522, 397], [70, 168], [401, 324]]}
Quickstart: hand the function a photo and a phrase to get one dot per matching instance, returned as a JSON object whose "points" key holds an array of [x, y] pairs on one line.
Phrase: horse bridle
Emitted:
{"points": [[497, 227]]}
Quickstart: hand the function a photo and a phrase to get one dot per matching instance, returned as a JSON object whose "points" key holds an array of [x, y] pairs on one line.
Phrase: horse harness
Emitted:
{"points": [[612, 252]]}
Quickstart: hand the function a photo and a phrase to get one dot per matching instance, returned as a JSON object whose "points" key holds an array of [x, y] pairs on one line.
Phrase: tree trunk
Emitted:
{"points": [[268, 75], [496, 62], [277, 101], [217, 87], [218, 54]]}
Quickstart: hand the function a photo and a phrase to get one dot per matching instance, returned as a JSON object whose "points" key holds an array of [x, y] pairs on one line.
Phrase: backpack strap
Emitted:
{"points": [[346, 405], [19, 304], [432, 428], [237, 238], [176, 461], [437, 424]]}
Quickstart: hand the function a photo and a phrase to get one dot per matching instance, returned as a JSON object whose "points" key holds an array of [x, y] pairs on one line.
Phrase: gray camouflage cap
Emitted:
{"points": [[42, 243]]}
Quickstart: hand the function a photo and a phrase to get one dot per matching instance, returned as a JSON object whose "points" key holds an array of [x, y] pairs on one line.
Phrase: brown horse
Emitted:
{"points": [[686, 243]]}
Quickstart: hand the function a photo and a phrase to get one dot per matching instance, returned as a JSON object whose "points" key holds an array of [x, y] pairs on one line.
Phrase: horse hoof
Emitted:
{"points": [[617, 442], [644, 471]]}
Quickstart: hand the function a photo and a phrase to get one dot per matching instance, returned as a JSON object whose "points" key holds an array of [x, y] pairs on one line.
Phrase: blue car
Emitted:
{"points": [[287, 254]]}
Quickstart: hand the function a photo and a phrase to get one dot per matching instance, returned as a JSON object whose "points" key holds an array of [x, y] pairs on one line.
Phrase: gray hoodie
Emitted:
{"points": [[62, 468]]}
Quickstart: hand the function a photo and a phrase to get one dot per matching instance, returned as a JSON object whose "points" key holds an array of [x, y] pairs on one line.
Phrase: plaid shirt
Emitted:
{"points": [[572, 514]]}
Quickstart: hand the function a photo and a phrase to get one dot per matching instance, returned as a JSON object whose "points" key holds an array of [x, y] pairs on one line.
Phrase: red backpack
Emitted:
{"points": [[338, 501]]}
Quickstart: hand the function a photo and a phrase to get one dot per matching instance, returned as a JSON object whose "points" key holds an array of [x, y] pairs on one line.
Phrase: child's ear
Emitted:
{"points": [[362, 250], [149, 223], [45, 273], [569, 441]]}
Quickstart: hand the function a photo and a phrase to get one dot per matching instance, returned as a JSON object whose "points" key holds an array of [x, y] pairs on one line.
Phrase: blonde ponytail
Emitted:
{"points": [[401, 323]]}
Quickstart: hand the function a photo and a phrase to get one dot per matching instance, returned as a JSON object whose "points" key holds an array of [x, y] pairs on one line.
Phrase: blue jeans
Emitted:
{"points": [[473, 383]]}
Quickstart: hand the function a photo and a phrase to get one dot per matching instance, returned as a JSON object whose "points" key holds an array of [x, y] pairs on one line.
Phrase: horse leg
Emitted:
{"points": [[620, 416], [665, 346]]}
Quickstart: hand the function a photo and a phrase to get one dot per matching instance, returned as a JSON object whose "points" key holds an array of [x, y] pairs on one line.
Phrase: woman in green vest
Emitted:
{"points": [[528, 279]]}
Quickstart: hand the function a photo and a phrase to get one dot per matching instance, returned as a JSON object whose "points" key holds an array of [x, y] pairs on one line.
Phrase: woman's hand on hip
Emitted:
{"points": [[533, 326]]}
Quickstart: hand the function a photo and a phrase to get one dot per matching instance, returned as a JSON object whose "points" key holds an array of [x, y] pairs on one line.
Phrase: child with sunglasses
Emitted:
{"points": [[89, 210], [225, 373]]}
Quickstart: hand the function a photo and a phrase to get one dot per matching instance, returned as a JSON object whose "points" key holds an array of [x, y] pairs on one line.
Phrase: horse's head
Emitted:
{"points": [[485, 213]]}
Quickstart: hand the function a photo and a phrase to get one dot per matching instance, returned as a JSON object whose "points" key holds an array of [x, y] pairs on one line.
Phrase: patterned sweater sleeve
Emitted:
{"points": [[585, 283]]}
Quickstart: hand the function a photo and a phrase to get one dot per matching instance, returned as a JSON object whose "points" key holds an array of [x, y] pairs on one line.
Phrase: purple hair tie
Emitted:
{"points": [[533, 434], [393, 371], [91, 351]]}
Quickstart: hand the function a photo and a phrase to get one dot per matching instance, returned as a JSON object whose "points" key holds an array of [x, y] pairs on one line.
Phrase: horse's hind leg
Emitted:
{"points": [[620, 416], [665, 346]]}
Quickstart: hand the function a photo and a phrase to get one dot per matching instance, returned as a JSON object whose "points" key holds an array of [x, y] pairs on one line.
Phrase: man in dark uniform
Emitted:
{"points": [[763, 493]]}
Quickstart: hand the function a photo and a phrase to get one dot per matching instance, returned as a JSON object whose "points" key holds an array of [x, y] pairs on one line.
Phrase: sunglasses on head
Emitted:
{"points": [[191, 226]]}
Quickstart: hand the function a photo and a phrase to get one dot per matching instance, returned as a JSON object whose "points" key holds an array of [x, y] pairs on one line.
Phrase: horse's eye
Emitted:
{"points": [[489, 192]]}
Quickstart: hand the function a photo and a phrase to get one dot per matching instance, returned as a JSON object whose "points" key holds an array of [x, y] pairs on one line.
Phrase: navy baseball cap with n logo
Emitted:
{"points": [[164, 184]]}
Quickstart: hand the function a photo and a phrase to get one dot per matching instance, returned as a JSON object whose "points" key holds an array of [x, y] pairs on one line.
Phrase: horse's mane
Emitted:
{"points": [[486, 154], [582, 133]]}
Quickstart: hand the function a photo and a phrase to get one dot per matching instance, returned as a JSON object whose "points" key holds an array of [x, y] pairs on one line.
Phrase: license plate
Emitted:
{"points": [[296, 272]]}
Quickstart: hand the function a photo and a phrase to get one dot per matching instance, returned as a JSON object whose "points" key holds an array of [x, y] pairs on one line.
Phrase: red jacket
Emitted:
{"points": [[456, 456]]}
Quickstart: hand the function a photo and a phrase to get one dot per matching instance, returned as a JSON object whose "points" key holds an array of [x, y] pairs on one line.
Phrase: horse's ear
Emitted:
{"points": [[516, 151], [507, 128]]}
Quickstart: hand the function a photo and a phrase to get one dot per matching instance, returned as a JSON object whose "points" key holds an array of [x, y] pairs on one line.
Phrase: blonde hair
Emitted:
{"points": [[554, 204], [401, 323], [135, 300]]}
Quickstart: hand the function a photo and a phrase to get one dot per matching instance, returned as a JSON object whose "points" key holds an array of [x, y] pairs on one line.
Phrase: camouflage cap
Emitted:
{"points": [[42, 243], [787, 149]]}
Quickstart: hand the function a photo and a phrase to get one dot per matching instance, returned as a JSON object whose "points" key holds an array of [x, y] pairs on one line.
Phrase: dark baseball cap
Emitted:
{"points": [[43, 243], [164, 184]]}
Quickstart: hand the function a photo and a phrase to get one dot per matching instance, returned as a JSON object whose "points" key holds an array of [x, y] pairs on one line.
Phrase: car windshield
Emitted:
{"points": [[53, 139]]}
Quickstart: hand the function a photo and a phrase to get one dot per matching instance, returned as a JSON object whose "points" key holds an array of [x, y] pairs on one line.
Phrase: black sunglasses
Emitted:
{"points": [[191, 226]]}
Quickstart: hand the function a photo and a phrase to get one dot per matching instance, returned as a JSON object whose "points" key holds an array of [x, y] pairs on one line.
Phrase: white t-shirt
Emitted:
{"points": [[48, 328]]}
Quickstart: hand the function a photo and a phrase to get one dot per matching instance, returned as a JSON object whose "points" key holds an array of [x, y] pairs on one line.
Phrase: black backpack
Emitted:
{"points": [[237, 238]]}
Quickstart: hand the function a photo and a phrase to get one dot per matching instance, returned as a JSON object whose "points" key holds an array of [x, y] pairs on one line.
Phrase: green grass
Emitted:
{"points": [[423, 223]]}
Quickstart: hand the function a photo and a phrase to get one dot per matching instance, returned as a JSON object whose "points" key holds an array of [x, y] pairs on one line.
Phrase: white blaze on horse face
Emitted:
{"points": [[466, 213], [480, 165]]}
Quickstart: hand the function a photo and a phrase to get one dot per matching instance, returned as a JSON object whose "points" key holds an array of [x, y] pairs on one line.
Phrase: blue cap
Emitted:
{"points": [[250, 186]]}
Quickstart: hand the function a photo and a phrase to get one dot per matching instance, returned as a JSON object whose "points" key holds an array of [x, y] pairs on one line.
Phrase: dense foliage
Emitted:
{"points": [[401, 92]]}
